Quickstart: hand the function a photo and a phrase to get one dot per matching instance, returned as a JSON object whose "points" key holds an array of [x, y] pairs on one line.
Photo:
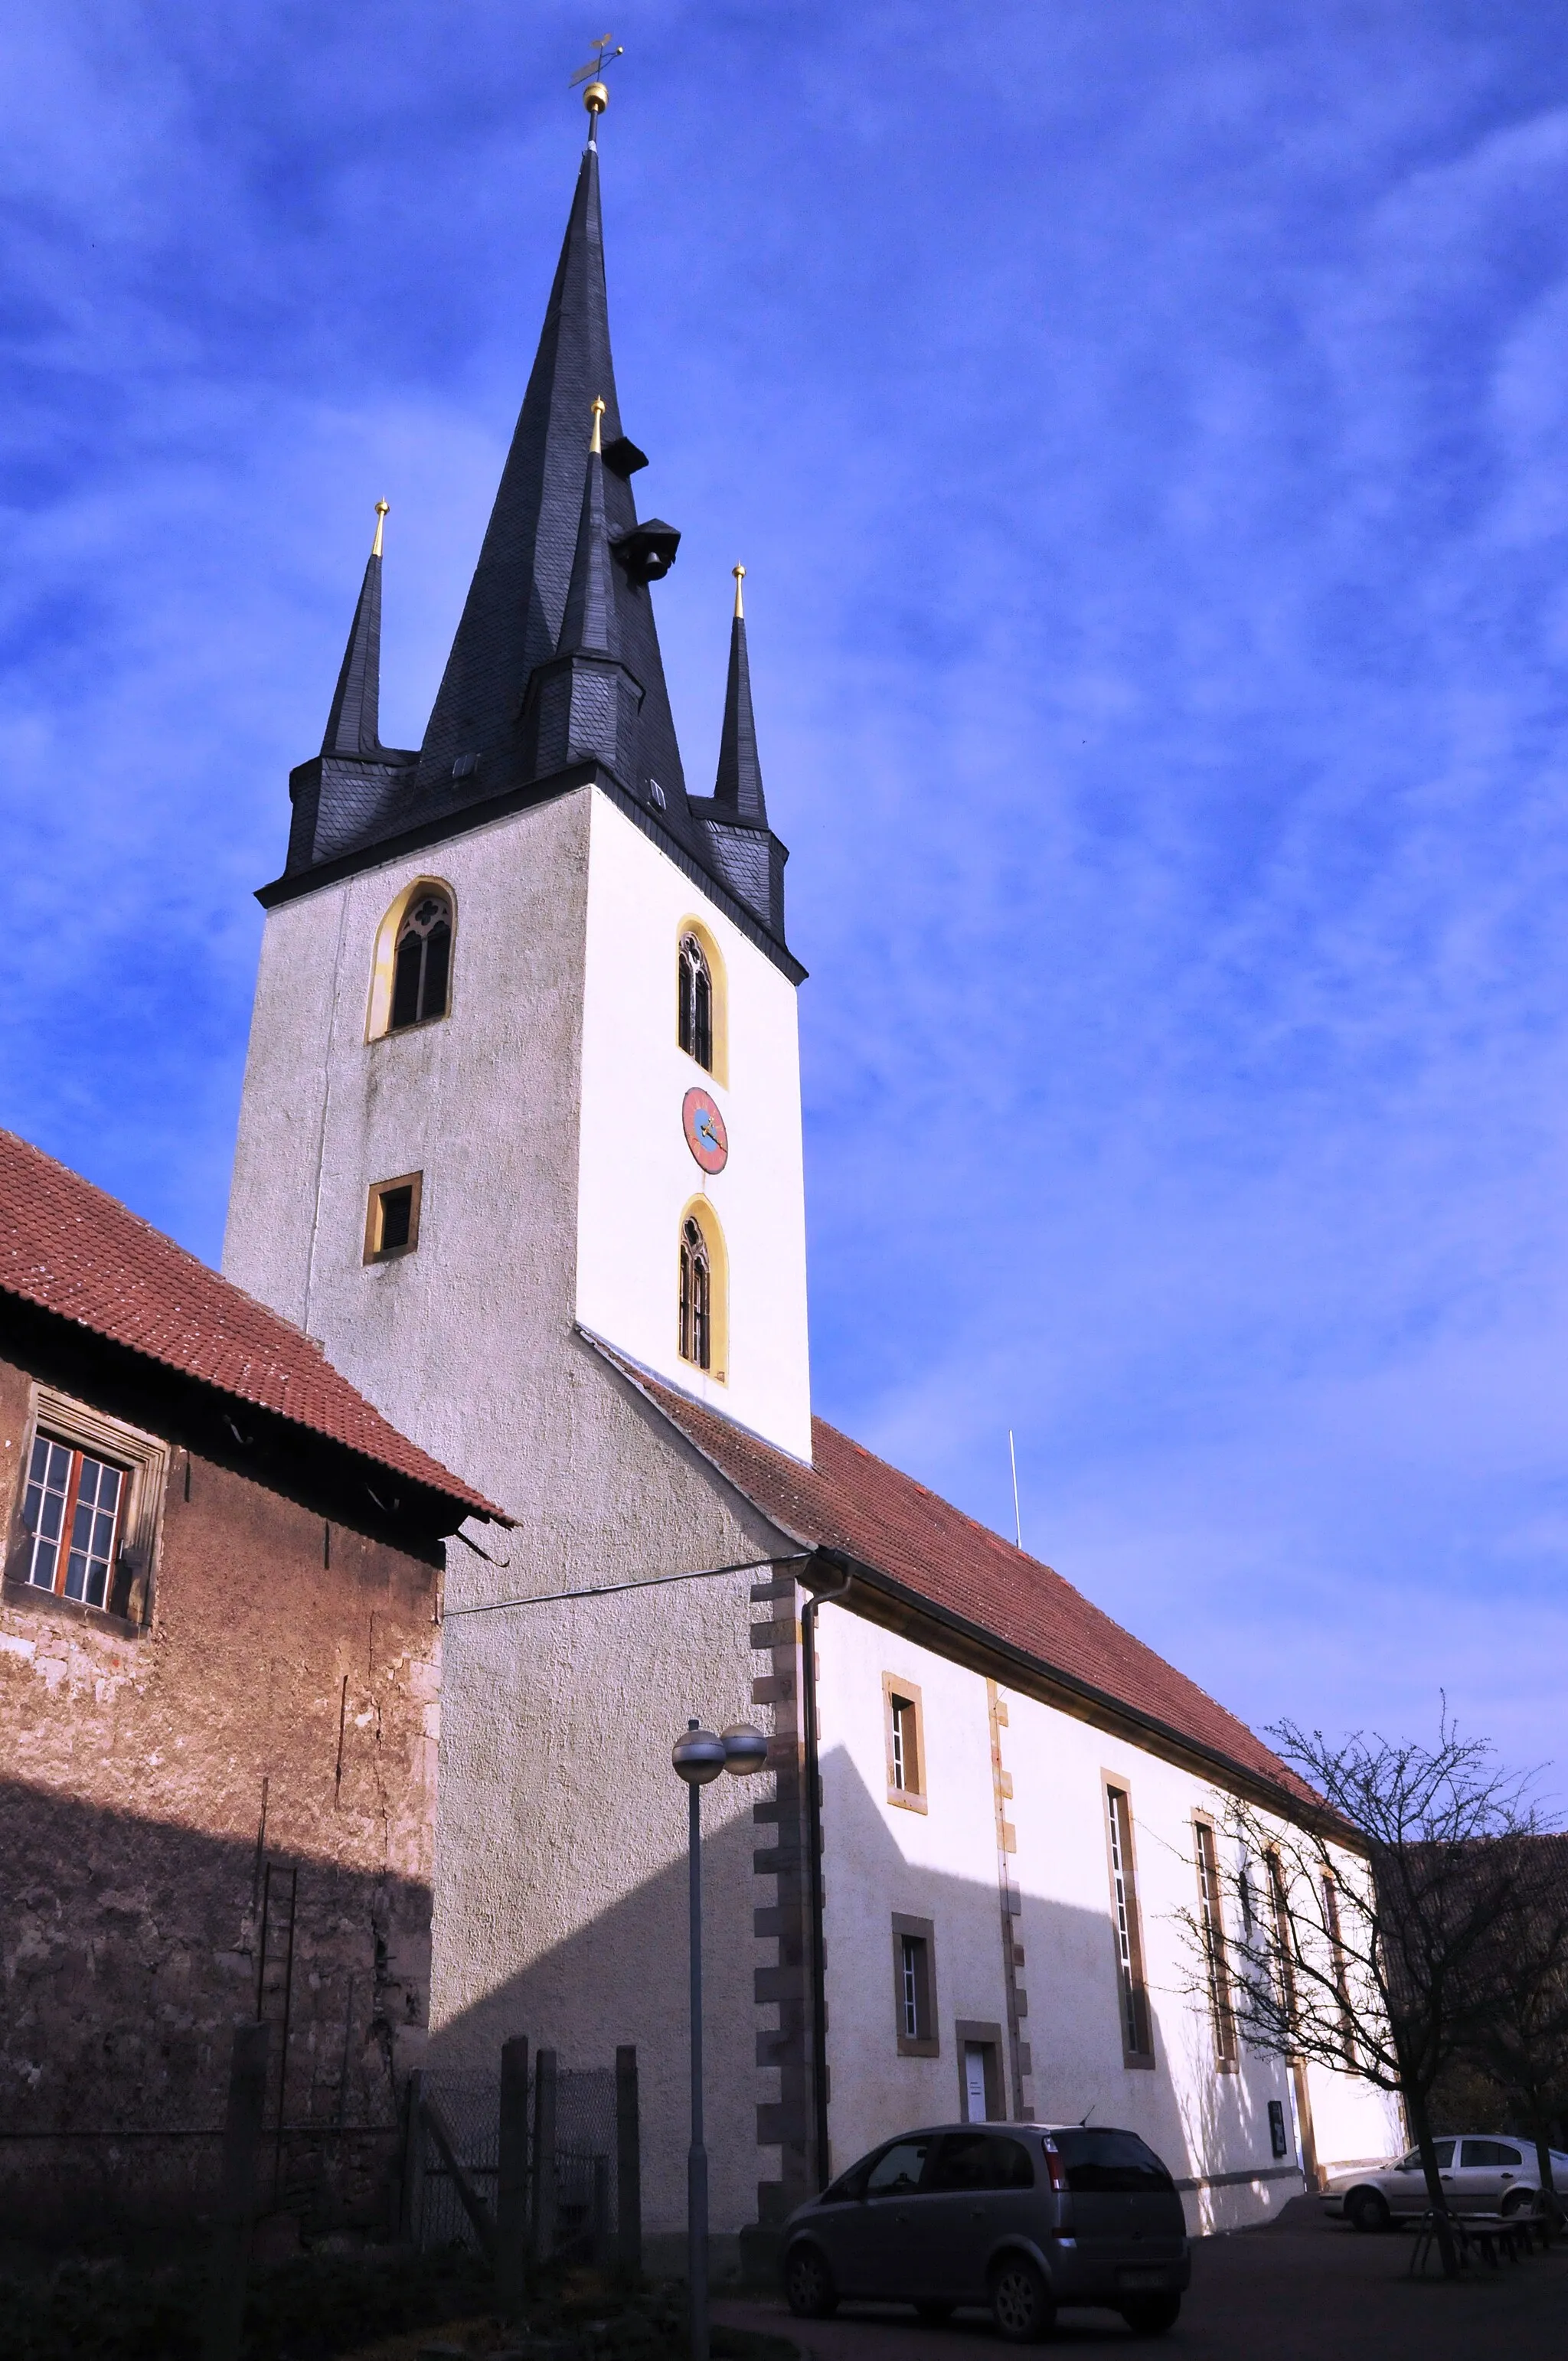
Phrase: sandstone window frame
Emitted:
{"points": [[702, 999], [914, 1987], [1133, 2010], [379, 1217], [904, 1735], [144, 1460], [398, 923]]}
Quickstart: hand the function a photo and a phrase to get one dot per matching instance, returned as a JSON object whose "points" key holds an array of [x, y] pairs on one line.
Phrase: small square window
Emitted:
{"points": [[906, 1743], [392, 1217]]}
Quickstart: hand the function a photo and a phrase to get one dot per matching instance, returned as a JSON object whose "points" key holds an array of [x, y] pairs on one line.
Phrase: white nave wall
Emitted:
{"points": [[941, 1865]]}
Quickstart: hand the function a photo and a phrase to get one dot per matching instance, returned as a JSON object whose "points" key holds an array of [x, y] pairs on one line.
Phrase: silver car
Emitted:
{"points": [[1019, 2217], [1481, 2173]]}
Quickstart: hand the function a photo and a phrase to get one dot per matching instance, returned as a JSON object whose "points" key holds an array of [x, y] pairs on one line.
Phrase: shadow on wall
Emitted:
{"points": [[128, 1949], [622, 1978], [1209, 2126]]}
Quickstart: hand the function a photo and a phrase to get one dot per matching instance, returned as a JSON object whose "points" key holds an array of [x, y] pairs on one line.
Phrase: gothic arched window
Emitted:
{"points": [[421, 969], [696, 985], [696, 1295]]}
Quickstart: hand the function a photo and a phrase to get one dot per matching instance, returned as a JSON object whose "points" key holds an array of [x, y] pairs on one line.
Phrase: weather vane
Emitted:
{"points": [[596, 98]]}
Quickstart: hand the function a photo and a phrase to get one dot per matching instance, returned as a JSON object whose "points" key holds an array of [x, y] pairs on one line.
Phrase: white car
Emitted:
{"points": [[1483, 2174]]}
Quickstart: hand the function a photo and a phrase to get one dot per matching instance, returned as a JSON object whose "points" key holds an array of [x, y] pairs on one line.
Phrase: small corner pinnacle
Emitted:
{"points": [[598, 408], [739, 573], [381, 508]]}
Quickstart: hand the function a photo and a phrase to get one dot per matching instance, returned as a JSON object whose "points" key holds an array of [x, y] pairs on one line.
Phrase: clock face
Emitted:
{"points": [[703, 1128]]}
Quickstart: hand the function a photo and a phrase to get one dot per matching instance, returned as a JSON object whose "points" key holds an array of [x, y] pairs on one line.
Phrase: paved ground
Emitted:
{"points": [[1300, 2289]]}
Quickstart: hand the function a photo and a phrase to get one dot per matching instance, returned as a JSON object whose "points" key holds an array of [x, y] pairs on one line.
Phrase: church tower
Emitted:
{"points": [[521, 1128], [584, 1105]]}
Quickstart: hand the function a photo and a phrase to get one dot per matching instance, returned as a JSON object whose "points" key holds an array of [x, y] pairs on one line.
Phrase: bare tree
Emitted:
{"points": [[1355, 1943], [1517, 2030]]}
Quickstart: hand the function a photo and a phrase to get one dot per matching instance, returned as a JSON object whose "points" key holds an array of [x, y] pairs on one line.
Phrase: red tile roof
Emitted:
{"points": [[858, 1507], [71, 1249]]}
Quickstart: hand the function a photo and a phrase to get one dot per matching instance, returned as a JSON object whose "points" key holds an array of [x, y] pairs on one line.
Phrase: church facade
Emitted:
{"points": [[520, 1146]]}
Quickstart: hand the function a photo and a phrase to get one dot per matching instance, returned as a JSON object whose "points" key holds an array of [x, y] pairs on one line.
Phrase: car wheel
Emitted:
{"points": [[934, 2314], [807, 2284], [1517, 2201], [1151, 2315], [1021, 2301], [1367, 2209]]}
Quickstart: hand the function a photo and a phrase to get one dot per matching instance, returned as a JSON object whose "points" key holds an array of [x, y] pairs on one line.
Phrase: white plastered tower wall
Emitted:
{"points": [[940, 1864], [543, 1131], [637, 1173]]}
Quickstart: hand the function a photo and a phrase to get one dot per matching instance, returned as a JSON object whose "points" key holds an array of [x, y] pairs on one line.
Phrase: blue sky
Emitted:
{"points": [[1146, 428]]}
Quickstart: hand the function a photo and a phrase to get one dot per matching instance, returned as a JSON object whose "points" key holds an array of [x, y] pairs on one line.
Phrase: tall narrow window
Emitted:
{"points": [[905, 1742], [1336, 1954], [696, 1295], [1136, 2045], [1284, 1954], [71, 1516], [694, 979], [1212, 1917], [914, 1987], [422, 970]]}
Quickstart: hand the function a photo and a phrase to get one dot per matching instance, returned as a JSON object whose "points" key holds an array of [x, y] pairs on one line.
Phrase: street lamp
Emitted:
{"points": [[698, 1756]]}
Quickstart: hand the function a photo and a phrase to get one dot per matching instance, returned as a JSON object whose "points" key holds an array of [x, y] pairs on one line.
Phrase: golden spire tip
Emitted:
{"points": [[381, 508], [598, 407], [739, 573]]}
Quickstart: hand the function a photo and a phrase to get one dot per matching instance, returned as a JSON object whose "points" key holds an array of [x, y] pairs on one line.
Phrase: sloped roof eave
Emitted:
{"points": [[1278, 1785]]}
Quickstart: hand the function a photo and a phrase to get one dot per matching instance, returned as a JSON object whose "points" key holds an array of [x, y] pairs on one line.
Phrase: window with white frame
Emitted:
{"points": [[87, 1511]]}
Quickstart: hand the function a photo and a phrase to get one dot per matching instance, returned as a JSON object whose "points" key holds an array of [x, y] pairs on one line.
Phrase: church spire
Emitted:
{"points": [[516, 608], [738, 786], [588, 626], [352, 726]]}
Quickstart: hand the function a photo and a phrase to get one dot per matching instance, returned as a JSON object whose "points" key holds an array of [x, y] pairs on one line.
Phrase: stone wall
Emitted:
{"points": [[254, 1759]]}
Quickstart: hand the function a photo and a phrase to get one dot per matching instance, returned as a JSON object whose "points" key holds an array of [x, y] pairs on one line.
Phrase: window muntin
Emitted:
{"points": [[71, 1513], [1135, 2042], [695, 984], [392, 1217], [1222, 2009], [913, 1986], [421, 964], [696, 1295]]}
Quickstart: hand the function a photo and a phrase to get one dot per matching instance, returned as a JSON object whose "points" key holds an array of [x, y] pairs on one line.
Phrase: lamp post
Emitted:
{"points": [[698, 1756]]}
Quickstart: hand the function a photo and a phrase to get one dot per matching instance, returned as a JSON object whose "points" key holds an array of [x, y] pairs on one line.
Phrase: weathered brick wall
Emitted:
{"points": [[275, 1719]]}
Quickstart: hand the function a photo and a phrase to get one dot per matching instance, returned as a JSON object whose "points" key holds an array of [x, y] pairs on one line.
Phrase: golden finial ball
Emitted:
{"points": [[596, 98]]}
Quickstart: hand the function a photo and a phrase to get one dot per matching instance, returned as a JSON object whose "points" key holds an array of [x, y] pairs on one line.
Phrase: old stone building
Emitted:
{"points": [[521, 1141], [220, 1664]]}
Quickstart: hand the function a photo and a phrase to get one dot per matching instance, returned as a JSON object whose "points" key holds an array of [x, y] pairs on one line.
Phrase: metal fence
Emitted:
{"points": [[583, 2169]]}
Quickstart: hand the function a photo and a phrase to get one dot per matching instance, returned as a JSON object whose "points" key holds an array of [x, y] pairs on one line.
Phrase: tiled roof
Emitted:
{"points": [[71, 1249], [858, 1507]]}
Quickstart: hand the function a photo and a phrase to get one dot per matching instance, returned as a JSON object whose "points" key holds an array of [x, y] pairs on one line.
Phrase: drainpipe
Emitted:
{"points": [[813, 1869]]}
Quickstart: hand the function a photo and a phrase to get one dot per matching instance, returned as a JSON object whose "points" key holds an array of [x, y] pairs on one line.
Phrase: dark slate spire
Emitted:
{"points": [[589, 625], [512, 621], [584, 703], [352, 726], [738, 786]]}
